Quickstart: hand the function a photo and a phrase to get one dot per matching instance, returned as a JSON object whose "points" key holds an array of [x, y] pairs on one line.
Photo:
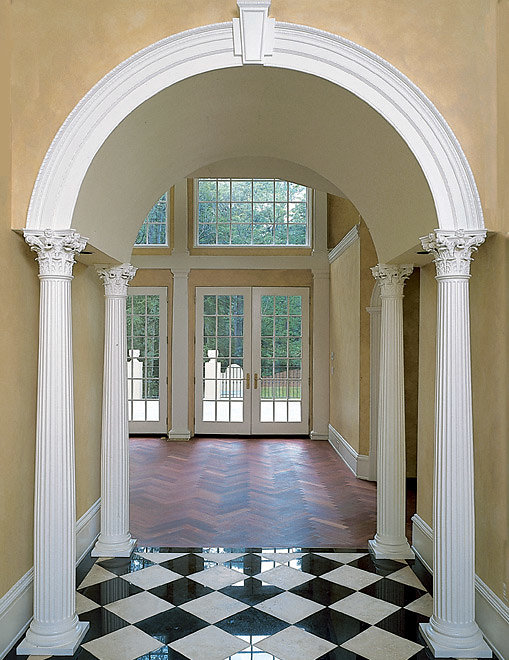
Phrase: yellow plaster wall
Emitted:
{"points": [[411, 353], [489, 287], [344, 310]]}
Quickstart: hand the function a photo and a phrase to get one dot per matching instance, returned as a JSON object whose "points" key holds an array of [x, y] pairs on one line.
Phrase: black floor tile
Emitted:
{"points": [[333, 626], [163, 653], [251, 591], [125, 565], [403, 623], [341, 654], [317, 565], [180, 591], [187, 564], [102, 622], [252, 622], [171, 625], [393, 592], [379, 566], [322, 591], [110, 591]]}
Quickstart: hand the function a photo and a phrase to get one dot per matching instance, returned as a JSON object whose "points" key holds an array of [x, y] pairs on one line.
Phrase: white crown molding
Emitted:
{"points": [[492, 614], [16, 605], [296, 47], [348, 239]]}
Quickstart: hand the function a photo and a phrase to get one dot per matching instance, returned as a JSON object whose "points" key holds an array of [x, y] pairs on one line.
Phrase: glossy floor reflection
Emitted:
{"points": [[252, 604]]}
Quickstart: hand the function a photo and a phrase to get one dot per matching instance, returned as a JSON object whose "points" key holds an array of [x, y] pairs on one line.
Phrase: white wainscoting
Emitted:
{"points": [[492, 614], [16, 605], [358, 463]]}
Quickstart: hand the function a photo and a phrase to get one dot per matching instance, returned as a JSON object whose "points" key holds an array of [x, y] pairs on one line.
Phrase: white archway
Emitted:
{"points": [[55, 628]]}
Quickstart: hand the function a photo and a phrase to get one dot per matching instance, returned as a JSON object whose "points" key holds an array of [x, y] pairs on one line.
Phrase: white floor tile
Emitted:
{"points": [[377, 644], [365, 608], [159, 557], [151, 577], [216, 577], [214, 607], [84, 604], [407, 576], [349, 576], [138, 607], [220, 557], [289, 607], [282, 557], [423, 605], [293, 643], [284, 577], [124, 644], [211, 643], [95, 575], [342, 557]]}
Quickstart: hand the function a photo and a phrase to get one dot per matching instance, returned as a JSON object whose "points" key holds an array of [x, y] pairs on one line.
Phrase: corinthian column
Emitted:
{"points": [[390, 541], [115, 539], [55, 628], [452, 631]]}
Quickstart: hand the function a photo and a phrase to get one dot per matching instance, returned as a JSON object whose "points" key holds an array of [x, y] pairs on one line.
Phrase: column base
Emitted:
{"points": [[29, 645], [316, 435], [105, 549], [444, 646], [175, 435], [383, 551]]}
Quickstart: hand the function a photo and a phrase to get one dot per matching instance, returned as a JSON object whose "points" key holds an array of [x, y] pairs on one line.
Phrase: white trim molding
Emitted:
{"points": [[343, 245], [296, 47], [492, 614], [16, 606], [358, 463]]}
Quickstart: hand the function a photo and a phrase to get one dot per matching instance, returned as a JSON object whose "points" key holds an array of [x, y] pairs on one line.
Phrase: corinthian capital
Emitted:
{"points": [[453, 250], [391, 278], [116, 278], [56, 250]]}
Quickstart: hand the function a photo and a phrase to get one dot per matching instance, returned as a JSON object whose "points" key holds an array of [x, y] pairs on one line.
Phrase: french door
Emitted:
{"points": [[252, 360], [147, 398]]}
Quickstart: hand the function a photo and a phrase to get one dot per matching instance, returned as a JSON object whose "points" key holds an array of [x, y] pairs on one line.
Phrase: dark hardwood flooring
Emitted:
{"points": [[247, 492]]}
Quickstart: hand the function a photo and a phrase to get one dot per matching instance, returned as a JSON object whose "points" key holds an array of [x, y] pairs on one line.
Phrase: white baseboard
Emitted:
{"points": [[358, 463], [491, 613], [16, 606]]}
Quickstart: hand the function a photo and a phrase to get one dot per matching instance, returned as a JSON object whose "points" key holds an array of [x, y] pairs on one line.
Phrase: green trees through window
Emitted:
{"points": [[153, 231], [250, 212]]}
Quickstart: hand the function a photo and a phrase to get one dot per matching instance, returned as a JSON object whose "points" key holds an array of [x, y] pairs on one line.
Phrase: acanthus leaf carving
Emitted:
{"points": [[391, 278], [116, 278], [56, 250], [452, 250]]}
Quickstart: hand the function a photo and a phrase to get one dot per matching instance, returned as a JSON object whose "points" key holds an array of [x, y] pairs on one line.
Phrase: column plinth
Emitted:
{"points": [[452, 631], [180, 357], [390, 541], [115, 539], [55, 628]]}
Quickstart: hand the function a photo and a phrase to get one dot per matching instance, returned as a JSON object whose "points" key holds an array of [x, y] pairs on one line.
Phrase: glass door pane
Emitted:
{"points": [[223, 343], [146, 359], [280, 360]]}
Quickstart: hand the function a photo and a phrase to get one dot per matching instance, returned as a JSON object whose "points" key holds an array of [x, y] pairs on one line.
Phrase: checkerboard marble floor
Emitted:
{"points": [[252, 604]]}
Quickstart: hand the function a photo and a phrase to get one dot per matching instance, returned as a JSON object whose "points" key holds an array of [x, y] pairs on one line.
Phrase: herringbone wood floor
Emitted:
{"points": [[248, 492]]}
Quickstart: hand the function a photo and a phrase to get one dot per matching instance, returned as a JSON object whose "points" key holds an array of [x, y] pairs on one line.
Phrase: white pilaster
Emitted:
{"points": [[115, 539], [390, 541], [320, 355], [180, 357], [180, 219], [55, 628], [452, 631], [375, 318]]}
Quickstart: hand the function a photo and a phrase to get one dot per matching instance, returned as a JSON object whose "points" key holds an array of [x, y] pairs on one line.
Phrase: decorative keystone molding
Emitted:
{"points": [[116, 279], [391, 278], [453, 250], [56, 250], [253, 32], [344, 243]]}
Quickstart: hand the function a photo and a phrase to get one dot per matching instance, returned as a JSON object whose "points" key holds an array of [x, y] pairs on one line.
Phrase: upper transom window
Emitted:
{"points": [[251, 212], [153, 231]]}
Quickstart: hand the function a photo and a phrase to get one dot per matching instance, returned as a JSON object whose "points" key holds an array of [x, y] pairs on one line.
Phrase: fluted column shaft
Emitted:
{"points": [[452, 631], [55, 628], [390, 541], [180, 357], [115, 539]]}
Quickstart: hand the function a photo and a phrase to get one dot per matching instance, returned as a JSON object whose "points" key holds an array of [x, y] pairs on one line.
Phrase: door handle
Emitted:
{"points": [[248, 381], [256, 381]]}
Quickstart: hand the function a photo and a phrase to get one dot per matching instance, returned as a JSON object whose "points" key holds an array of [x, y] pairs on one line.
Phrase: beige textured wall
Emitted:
{"points": [[160, 277], [489, 309], [341, 217], [62, 49], [345, 344]]}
